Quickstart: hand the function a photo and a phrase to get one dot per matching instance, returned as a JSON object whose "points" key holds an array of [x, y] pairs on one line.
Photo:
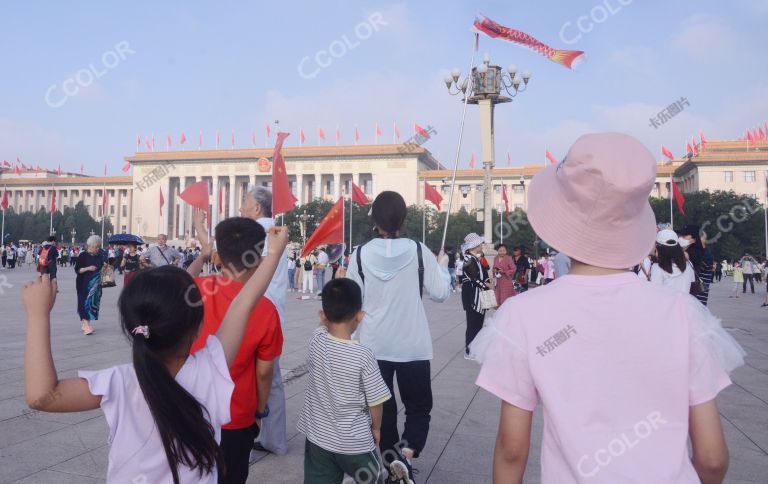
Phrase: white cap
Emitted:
{"points": [[667, 237]]}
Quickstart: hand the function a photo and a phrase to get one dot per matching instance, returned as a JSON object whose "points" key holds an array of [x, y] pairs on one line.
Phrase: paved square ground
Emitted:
{"points": [[71, 448]]}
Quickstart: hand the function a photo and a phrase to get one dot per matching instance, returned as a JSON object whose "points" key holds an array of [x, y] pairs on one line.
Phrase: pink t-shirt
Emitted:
{"points": [[616, 363], [136, 454]]}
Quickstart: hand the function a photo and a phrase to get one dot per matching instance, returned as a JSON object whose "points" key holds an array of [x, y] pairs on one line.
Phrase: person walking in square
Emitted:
{"points": [[392, 272], [738, 279], [748, 266], [504, 270], [627, 372], [474, 279], [341, 415], [88, 282]]}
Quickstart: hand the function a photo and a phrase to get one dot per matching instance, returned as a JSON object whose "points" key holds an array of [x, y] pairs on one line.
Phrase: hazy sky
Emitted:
{"points": [[170, 67]]}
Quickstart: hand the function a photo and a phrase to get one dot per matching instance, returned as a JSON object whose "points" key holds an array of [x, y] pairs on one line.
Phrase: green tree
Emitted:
{"points": [[36, 226]]}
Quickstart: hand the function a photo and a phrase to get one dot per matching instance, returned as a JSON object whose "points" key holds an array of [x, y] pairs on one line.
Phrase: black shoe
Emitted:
{"points": [[257, 446]]}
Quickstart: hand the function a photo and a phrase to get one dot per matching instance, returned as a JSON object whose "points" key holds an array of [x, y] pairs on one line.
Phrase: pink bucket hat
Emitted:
{"points": [[593, 206]]}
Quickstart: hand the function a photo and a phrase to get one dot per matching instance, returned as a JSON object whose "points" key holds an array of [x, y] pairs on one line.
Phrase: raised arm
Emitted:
{"points": [[42, 388], [206, 248], [437, 279], [235, 321]]}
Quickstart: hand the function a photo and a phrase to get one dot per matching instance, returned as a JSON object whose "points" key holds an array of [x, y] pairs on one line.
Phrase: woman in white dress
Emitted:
{"points": [[672, 269]]}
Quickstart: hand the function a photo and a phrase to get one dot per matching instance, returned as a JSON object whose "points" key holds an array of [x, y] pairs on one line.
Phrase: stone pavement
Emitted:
{"points": [[71, 448]]}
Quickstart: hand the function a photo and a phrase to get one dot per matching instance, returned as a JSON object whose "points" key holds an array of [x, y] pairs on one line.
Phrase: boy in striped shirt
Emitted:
{"points": [[342, 409]]}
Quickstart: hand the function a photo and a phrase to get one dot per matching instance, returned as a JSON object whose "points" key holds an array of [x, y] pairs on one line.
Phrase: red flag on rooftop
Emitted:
{"points": [[378, 130], [58, 171], [162, 201], [200, 140], [146, 143], [302, 138], [168, 142], [431, 194], [127, 167], [269, 131], [667, 153], [357, 135], [218, 139], [423, 132], [751, 138], [703, 140], [472, 161], [283, 200], [183, 139], [138, 142], [549, 156], [196, 195], [320, 133], [359, 195], [18, 172], [688, 148], [762, 133], [695, 146], [506, 200], [338, 135], [330, 230], [4, 204], [397, 132], [678, 196]]}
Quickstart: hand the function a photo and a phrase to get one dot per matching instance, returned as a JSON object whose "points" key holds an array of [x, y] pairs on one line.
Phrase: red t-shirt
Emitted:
{"points": [[263, 340]]}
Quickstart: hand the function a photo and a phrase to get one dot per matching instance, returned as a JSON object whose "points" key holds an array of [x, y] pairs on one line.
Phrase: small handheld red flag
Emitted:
{"points": [[358, 195], [283, 200], [678, 196], [667, 153], [330, 230], [432, 195], [196, 195], [549, 156]]}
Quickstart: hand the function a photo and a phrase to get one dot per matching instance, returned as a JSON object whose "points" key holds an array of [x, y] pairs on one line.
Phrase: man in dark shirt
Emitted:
{"points": [[52, 259], [523, 267]]}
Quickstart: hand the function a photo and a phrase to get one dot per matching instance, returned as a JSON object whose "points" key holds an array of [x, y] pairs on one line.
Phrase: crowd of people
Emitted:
{"points": [[605, 348]]}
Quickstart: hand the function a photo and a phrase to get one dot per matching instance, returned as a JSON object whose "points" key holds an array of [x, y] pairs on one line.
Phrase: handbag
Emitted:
{"points": [[488, 300], [108, 277]]}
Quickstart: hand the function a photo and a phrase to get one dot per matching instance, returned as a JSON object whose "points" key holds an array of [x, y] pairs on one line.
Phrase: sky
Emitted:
{"points": [[80, 81]]}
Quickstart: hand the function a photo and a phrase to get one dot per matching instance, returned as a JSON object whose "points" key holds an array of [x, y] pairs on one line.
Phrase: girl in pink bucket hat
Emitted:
{"points": [[626, 371]]}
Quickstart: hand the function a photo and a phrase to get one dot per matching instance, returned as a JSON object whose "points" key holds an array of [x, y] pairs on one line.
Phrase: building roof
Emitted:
{"points": [[528, 171], [69, 180], [726, 153], [288, 153]]}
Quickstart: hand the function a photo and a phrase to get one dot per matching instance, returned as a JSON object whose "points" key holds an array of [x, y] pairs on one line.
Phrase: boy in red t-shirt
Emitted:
{"points": [[239, 244]]}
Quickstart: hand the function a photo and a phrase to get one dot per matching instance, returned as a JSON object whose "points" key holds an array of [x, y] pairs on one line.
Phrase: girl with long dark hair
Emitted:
{"points": [[164, 411], [671, 268]]}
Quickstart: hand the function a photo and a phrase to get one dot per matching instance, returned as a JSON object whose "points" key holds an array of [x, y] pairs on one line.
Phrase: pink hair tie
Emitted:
{"points": [[142, 330]]}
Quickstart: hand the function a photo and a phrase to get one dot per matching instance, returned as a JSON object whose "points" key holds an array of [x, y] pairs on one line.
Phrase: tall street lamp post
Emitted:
{"points": [[487, 82]]}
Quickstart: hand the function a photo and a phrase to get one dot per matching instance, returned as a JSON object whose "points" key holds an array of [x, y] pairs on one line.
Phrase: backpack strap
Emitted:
{"points": [[421, 269], [360, 263]]}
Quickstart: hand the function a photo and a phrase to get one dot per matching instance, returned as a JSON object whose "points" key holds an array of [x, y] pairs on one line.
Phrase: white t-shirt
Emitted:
{"points": [[679, 281], [136, 452]]}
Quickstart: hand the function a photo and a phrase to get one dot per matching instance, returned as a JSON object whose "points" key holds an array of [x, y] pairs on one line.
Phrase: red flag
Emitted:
{"points": [[703, 140], [23, 166], [320, 133], [472, 161], [338, 135], [168, 142], [550, 157], [357, 135], [330, 230], [58, 171], [269, 131], [146, 143], [695, 146], [127, 167], [667, 153], [509, 159], [218, 139], [506, 200], [196, 195], [18, 172], [4, 204], [378, 130], [397, 132], [432, 195], [200, 140], [138, 142], [153, 142], [301, 136], [678, 196], [5, 163], [53, 200], [183, 139], [233, 139], [358, 195], [162, 201], [420, 130], [762, 133], [755, 136], [689, 149], [253, 139], [283, 200]]}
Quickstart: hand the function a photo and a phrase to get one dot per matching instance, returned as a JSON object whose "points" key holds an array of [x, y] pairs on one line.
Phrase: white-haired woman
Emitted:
{"points": [[88, 283]]}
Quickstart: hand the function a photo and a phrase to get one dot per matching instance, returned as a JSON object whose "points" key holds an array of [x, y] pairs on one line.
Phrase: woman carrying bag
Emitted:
{"points": [[475, 288]]}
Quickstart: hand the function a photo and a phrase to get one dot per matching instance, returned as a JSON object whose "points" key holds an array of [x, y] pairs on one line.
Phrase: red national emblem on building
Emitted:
{"points": [[264, 165]]}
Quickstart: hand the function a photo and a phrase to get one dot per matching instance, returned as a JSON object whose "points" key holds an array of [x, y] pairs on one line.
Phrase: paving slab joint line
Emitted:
{"points": [[742, 433]]}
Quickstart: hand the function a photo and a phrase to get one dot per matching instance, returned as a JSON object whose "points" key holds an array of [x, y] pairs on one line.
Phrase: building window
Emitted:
{"points": [[728, 176], [124, 210], [518, 188], [749, 176], [124, 229], [111, 209], [99, 212], [497, 189]]}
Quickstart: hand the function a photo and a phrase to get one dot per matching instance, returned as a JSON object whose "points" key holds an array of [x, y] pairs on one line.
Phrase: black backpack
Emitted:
{"points": [[307, 265], [421, 266]]}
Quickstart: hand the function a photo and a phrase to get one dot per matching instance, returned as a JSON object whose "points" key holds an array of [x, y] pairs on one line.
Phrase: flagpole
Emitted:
{"points": [[671, 211], [50, 227], [2, 231], [458, 147], [424, 224], [765, 215]]}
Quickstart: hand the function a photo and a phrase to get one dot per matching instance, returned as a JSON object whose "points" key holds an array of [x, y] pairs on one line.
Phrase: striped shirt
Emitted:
{"points": [[344, 381]]}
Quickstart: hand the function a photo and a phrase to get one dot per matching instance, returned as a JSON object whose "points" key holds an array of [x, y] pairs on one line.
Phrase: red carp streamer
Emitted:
{"points": [[567, 58]]}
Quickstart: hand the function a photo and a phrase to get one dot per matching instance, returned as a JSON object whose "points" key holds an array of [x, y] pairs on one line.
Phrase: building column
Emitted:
{"points": [[215, 201], [130, 211], [165, 211], [182, 210], [337, 185], [251, 180], [300, 188], [231, 192]]}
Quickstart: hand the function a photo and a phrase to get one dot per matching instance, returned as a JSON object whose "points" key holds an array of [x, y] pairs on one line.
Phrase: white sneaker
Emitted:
{"points": [[398, 472]]}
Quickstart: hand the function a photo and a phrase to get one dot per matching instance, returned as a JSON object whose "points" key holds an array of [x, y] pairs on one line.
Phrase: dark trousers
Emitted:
{"points": [[236, 445], [748, 277], [475, 322], [415, 385]]}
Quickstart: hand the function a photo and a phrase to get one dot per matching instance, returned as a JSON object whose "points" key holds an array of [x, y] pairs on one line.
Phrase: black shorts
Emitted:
{"points": [[50, 269]]}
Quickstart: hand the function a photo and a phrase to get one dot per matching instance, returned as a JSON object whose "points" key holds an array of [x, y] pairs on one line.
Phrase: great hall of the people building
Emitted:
{"points": [[133, 202]]}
